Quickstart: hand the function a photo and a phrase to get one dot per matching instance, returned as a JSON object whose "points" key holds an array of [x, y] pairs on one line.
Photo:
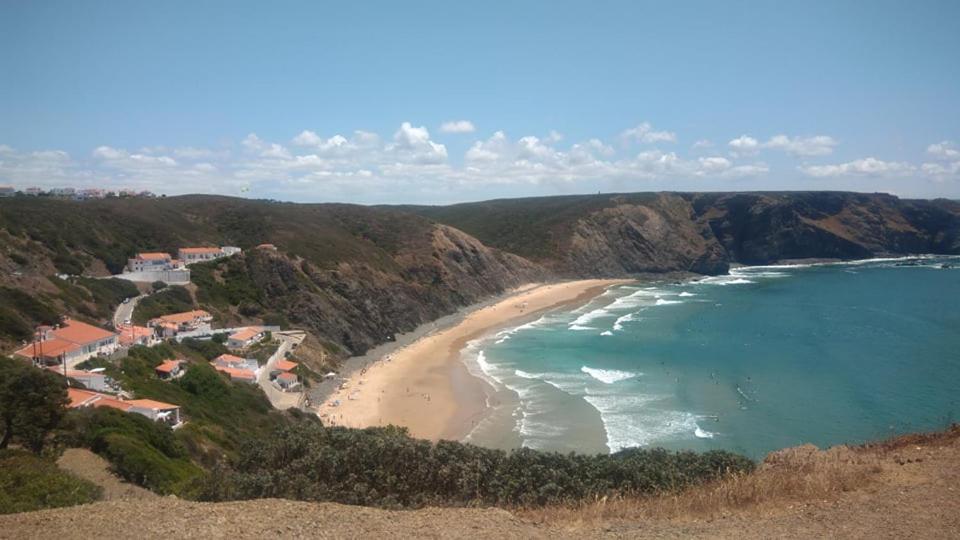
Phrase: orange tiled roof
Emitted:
{"points": [[286, 365], [82, 333], [106, 401], [130, 333], [150, 404], [229, 358], [50, 348], [181, 318], [246, 333], [287, 376], [81, 398], [156, 256], [168, 366], [199, 250], [237, 373]]}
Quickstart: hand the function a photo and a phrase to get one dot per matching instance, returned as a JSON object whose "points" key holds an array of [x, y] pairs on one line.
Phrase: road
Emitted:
{"points": [[125, 311], [279, 399]]}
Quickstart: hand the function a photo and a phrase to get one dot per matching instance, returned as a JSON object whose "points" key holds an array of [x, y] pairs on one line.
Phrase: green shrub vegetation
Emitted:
{"points": [[29, 482], [384, 466], [32, 403], [174, 299]]}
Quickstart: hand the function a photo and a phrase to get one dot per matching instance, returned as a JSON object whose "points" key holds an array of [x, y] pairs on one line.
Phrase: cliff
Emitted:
{"points": [[354, 275], [622, 234]]}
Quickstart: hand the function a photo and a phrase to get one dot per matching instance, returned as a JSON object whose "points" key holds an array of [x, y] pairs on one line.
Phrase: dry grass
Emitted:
{"points": [[785, 478]]}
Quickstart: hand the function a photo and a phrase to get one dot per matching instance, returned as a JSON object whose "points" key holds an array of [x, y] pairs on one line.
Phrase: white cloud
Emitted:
{"points": [[413, 144], [457, 126], [646, 134], [817, 145], [714, 164], [861, 167], [702, 143], [944, 150], [744, 145], [121, 159], [408, 165]]}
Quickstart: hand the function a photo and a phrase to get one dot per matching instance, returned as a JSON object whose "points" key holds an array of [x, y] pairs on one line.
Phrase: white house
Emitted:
{"points": [[91, 380], [157, 411], [7, 191], [148, 262], [244, 338], [69, 342], [287, 382], [190, 255], [170, 369], [188, 321]]}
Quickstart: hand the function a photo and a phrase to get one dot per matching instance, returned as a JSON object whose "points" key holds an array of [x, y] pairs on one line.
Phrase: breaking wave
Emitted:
{"points": [[609, 376]]}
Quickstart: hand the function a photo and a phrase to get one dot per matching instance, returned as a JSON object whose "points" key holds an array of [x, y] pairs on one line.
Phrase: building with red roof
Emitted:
{"points": [[69, 343]]}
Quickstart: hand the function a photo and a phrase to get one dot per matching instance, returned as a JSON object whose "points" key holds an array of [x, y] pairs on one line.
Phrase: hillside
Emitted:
{"points": [[354, 276], [902, 488], [623, 234]]}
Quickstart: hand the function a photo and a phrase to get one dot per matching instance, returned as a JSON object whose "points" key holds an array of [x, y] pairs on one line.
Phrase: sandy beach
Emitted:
{"points": [[425, 387]]}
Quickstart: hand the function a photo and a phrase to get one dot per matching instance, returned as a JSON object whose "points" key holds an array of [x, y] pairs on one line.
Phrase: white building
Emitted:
{"points": [[242, 339], [149, 262], [190, 255], [68, 343], [7, 191]]}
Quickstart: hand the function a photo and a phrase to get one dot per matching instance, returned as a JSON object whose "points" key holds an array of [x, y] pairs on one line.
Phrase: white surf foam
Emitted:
{"points": [[618, 325], [609, 376], [606, 333], [630, 421], [665, 302], [686, 294], [701, 433]]}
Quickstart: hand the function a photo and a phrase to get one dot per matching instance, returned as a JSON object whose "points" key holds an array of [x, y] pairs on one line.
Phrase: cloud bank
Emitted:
{"points": [[412, 165]]}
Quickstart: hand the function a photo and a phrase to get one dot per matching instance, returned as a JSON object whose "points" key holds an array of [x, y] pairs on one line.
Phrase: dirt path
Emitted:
{"points": [[94, 468], [912, 490]]}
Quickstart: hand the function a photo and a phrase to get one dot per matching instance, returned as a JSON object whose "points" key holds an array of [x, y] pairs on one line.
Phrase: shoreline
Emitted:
{"points": [[419, 381]]}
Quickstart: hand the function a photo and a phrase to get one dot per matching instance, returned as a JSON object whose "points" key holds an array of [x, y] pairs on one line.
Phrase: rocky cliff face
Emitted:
{"points": [[356, 306], [619, 235], [626, 239], [763, 228]]}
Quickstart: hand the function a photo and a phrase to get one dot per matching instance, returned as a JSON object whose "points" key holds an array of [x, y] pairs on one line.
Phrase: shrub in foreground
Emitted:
{"points": [[386, 467], [28, 483]]}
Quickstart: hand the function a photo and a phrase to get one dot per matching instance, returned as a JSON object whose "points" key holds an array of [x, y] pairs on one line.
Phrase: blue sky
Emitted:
{"points": [[318, 101]]}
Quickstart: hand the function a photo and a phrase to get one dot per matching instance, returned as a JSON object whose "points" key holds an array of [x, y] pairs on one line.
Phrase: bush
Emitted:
{"points": [[174, 299], [142, 451], [384, 466], [29, 483]]}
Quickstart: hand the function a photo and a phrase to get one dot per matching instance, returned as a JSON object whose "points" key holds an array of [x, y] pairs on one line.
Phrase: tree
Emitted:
{"points": [[158, 286], [32, 403]]}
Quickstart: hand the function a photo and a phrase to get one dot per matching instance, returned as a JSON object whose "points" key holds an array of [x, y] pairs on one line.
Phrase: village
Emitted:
{"points": [[70, 347]]}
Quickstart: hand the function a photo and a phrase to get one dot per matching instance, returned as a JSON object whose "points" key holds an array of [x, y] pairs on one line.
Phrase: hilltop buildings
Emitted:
{"points": [[7, 191], [190, 255], [152, 261], [157, 411], [242, 339], [189, 321], [69, 343]]}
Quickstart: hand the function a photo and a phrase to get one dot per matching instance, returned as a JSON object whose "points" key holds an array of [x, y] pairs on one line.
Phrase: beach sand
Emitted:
{"points": [[425, 387]]}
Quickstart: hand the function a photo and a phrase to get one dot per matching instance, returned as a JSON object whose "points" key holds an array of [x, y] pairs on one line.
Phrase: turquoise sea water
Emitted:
{"points": [[765, 358]]}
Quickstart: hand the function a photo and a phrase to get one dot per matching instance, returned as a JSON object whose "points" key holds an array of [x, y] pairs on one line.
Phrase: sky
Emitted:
{"points": [[442, 102]]}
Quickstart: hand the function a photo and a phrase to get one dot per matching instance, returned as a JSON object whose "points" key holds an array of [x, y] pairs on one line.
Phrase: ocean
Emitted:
{"points": [[765, 358]]}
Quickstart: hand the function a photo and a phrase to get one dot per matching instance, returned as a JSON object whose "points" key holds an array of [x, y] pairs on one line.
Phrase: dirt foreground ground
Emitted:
{"points": [[906, 488]]}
